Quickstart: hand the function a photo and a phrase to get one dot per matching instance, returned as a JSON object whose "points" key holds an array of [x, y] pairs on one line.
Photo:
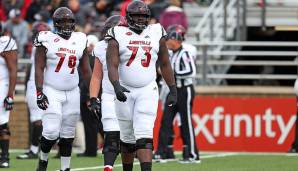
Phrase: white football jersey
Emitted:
{"points": [[138, 53], [99, 52], [32, 70], [63, 57], [6, 44]]}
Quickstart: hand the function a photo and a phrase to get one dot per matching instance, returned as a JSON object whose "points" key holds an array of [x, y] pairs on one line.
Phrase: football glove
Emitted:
{"points": [[119, 91], [8, 103], [42, 100], [172, 97], [95, 107]]}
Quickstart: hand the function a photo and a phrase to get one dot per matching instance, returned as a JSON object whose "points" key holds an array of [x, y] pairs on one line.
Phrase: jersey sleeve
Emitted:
{"points": [[7, 44], [160, 30], [110, 34], [41, 39], [83, 38], [99, 51]]}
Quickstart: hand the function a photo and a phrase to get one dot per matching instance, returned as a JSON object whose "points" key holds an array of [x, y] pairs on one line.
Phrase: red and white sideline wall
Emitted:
{"points": [[240, 123]]}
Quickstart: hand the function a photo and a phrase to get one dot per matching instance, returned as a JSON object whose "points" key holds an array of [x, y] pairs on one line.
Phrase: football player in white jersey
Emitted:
{"points": [[134, 50], [8, 77], [35, 112], [56, 79], [100, 77]]}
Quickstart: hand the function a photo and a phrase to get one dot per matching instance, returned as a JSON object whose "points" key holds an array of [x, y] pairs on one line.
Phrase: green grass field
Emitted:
{"points": [[210, 162]]}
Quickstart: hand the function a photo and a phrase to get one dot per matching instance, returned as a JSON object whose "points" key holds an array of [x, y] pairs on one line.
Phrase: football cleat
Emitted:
{"points": [[189, 160], [68, 169], [28, 155], [42, 165], [108, 168], [4, 163]]}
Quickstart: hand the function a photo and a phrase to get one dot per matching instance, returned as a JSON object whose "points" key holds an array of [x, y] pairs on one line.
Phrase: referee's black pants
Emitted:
{"points": [[91, 127], [166, 133], [184, 108]]}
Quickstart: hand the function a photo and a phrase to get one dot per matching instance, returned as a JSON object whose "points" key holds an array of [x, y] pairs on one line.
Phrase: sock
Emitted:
{"points": [[4, 148], [65, 162], [44, 156], [127, 167], [109, 158], [146, 166], [34, 149]]}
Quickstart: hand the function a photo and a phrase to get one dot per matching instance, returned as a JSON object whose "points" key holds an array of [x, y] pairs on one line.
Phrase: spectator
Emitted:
{"points": [[157, 7], [123, 7], [43, 16], [83, 2], [174, 14], [18, 29], [36, 7], [106, 6], [8, 5], [74, 6]]}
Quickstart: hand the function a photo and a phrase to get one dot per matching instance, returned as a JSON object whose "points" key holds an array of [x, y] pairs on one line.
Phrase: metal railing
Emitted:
{"points": [[224, 20], [205, 60]]}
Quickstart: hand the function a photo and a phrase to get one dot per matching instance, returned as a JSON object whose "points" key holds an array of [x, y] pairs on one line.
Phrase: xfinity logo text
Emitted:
{"points": [[253, 124]]}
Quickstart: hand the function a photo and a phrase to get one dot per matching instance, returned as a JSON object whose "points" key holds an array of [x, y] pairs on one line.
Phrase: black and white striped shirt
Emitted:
{"points": [[184, 67]]}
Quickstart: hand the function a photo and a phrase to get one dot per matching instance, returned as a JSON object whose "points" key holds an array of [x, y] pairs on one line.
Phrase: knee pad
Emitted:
{"points": [[127, 147], [46, 145], [4, 130], [111, 142], [65, 146], [144, 143]]}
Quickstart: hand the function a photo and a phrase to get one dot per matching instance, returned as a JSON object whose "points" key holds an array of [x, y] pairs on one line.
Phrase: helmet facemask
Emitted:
{"points": [[64, 22], [138, 15], [138, 22], [65, 26]]}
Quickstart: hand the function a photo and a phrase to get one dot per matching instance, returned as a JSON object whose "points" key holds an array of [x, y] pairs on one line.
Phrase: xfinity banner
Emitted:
{"points": [[240, 124]]}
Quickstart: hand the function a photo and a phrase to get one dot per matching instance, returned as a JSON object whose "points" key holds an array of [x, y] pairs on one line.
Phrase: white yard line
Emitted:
{"points": [[137, 163]]}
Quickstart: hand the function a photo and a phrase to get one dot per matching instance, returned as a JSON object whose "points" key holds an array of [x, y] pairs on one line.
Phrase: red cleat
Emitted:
{"points": [[108, 169]]}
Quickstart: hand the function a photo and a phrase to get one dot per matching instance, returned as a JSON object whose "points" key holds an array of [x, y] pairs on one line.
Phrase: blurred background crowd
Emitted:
{"points": [[19, 15]]}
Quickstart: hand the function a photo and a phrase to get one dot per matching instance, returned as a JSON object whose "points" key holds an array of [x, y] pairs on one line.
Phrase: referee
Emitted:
{"points": [[184, 70]]}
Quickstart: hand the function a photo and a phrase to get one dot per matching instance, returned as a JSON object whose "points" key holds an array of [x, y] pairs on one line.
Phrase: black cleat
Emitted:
{"points": [[68, 169], [4, 163], [42, 165], [159, 158], [28, 155], [189, 160]]}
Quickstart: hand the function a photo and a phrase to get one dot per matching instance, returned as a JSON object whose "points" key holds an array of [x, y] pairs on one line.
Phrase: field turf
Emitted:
{"points": [[210, 162]]}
